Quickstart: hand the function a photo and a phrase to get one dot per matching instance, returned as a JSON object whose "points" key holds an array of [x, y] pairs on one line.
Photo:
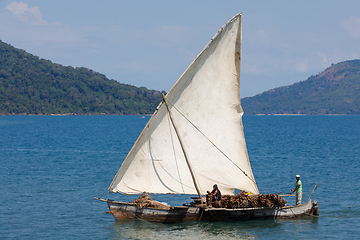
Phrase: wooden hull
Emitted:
{"points": [[122, 210], [222, 214]]}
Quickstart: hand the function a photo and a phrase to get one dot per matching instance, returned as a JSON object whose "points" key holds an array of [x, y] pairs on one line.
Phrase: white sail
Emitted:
{"points": [[207, 96]]}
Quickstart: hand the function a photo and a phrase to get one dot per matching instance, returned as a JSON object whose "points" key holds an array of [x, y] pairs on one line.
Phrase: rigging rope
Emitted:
{"points": [[253, 180]]}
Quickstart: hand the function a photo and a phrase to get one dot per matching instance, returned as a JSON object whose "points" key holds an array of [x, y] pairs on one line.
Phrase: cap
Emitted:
{"points": [[297, 176]]}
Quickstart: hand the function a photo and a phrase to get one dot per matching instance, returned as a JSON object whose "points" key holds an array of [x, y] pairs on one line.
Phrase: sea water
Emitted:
{"points": [[53, 166]]}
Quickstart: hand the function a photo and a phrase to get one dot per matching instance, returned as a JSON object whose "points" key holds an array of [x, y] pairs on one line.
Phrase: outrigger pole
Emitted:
{"points": [[183, 149]]}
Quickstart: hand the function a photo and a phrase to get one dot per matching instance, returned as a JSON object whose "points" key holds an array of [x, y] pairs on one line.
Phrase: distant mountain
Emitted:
{"points": [[30, 85], [334, 91]]}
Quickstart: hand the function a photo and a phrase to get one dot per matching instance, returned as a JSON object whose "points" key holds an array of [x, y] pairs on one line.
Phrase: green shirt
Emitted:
{"points": [[299, 190]]}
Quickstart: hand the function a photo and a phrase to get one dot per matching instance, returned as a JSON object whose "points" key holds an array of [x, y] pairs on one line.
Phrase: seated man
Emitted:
{"points": [[214, 195]]}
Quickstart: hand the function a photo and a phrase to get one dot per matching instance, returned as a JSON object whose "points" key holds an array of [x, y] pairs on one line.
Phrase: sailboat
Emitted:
{"points": [[195, 139]]}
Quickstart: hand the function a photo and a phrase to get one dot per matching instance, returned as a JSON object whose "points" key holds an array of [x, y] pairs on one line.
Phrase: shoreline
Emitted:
{"points": [[104, 114], [71, 114]]}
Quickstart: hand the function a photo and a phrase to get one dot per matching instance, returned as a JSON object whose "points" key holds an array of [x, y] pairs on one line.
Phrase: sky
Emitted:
{"points": [[151, 43]]}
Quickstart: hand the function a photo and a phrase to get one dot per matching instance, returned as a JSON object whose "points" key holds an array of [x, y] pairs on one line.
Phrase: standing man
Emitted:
{"points": [[298, 189]]}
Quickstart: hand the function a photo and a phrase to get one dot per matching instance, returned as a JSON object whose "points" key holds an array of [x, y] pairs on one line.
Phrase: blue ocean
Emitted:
{"points": [[52, 167]]}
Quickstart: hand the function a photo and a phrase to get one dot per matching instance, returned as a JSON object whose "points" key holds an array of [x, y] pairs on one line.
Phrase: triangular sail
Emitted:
{"points": [[207, 95]]}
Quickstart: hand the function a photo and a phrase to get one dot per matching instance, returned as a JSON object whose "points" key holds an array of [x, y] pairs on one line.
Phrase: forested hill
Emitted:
{"points": [[30, 85], [334, 91]]}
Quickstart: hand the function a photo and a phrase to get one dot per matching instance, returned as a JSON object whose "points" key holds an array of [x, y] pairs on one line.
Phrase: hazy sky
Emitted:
{"points": [[151, 43]]}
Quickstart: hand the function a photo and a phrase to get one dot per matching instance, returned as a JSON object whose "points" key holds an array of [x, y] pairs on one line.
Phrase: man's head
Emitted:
{"points": [[297, 177]]}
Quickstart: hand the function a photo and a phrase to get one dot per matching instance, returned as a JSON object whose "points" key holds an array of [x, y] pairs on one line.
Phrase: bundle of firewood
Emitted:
{"points": [[245, 200], [145, 201]]}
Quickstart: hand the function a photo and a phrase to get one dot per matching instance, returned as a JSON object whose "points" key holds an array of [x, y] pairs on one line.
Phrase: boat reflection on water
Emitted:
{"points": [[141, 229]]}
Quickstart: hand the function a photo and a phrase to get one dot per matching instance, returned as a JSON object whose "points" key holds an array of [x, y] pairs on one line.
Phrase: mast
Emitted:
{"points": [[183, 149]]}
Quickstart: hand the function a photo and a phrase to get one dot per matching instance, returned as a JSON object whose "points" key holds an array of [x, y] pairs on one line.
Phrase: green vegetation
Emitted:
{"points": [[30, 85], [334, 91]]}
